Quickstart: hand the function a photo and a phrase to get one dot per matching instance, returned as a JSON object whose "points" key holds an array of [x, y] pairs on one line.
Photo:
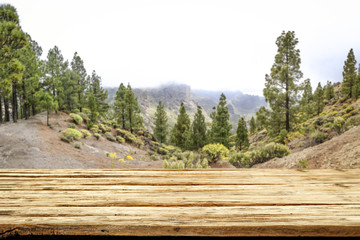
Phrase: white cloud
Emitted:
{"points": [[208, 44]]}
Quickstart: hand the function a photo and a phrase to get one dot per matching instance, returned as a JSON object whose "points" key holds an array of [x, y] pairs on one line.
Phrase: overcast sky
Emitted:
{"points": [[212, 45]]}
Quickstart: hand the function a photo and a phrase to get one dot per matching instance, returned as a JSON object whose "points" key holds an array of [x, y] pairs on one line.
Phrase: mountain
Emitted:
{"points": [[171, 95]]}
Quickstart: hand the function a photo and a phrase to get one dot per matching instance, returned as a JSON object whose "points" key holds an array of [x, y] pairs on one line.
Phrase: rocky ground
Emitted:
{"points": [[341, 151], [32, 144]]}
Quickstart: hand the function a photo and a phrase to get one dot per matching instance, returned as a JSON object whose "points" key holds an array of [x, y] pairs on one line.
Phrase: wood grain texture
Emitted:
{"points": [[180, 202]]}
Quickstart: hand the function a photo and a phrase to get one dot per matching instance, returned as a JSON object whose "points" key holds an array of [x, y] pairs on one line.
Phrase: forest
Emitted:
{"points": [[30, 85]]}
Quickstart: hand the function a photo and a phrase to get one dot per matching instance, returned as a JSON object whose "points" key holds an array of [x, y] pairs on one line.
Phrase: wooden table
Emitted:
{"points": [[249, 202]]}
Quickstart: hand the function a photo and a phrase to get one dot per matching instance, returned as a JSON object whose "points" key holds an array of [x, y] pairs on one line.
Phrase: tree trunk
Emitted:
{"points": [[1, 111], [47, 118], [7, 112], [33, 110], [287, 107], [14, 104], [26, 105]]}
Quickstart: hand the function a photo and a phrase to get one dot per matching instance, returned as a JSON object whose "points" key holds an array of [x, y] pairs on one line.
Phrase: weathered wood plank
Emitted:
{"points": [[180, 203]]}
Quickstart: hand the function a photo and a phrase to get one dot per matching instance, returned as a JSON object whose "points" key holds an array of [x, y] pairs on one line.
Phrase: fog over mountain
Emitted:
{"points": [[171, 95]]}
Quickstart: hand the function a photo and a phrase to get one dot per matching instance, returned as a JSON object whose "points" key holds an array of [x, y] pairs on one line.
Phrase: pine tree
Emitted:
{"points": [[12, 39], [307, 98], [77, 66], [349, 75], [47, 102], [180, 131], [242, 138], [281, 87], [262, 118], [29, 84], [100, 94], [319, 99], [119, 106], [55, 70], [132, 110], [161, 126], [252, 125], [198, 130], [221, 127], [329, 91], [93, 106]]}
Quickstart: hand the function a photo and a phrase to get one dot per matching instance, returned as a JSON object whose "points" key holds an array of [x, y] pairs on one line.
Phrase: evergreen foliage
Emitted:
{"points": [[319, 99], [77, 66], [242, 138], [349, 75], [329, 91], [198, 130], [252, 125], [281, 87], [262, 118], [307, 98], [47, 102], [180, 131], [220, 128], [161, 126]]}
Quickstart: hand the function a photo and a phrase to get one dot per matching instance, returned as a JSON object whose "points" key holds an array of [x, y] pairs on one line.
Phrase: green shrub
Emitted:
{"points": [[69, 135], [215, 152], [154, 157], [84, 116], [76, 118], [302, 163], [241, 160], [269, 151], [72, 125], [104, 128], [294, 135], [349, 109], [95, 129], [85, 133], [120, 139], [110, 137], [162, 151], [174, 165], [139, 142], [129, 137], [97, 136], [282, 136], [339, 123], [318, 137], [352, 121], [77, 145]]}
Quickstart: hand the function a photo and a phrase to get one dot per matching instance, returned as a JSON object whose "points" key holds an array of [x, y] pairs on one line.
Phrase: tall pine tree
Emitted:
{"points": [[77, 66], [132, 111], [252, 125], [262, 118], [100, 93], [119, 106], [220, 128], [12, 39], [242, 138], [329, 91], [281, 87], [307, 98], [349, 75], [319, 99], [198, 130], [161, 125], [181, 129]]}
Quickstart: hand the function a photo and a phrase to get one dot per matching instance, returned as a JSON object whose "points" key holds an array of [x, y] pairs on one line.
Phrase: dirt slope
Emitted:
{"points": [[32, 144], [342, 151]]}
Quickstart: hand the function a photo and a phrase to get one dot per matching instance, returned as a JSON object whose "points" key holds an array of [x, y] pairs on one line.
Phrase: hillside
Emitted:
{"points": [[171, 95]]}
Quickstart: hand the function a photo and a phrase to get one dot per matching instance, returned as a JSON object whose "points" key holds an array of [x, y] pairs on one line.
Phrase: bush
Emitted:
{"points": [[139, 142], [269, 151], [104, 128], [72, 125], [120, 139], [97, 136], [129, 137], [85, 133], [302, 163], [76, 118], [110, 137], [77, 145], [318, 137], [85, 117], [349, 109], [339, 124], [282, 136], [69, 134], [241, 160], [294, 135], [215, 152], [352, 121], [154, 158]]}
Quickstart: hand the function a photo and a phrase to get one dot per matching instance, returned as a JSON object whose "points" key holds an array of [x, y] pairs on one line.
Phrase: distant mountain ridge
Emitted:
{"points": [[171, 95]]}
